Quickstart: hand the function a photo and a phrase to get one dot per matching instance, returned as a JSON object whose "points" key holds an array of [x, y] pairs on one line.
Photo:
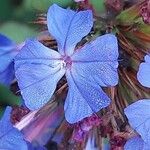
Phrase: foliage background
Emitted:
{"points": [[17, 16]]}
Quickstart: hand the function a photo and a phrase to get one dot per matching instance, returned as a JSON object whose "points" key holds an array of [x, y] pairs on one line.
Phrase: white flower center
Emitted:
{"points": [[66, 62]]}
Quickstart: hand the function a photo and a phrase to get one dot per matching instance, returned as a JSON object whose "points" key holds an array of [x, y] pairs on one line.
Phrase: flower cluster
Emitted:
{"points": [[38, 69], [86, 69], [138, 113]]}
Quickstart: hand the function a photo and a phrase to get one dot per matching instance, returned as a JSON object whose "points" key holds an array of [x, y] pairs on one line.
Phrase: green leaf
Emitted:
{"points": [[8, 98], [145, 28], [98, 6], [128, 16], [17, 31], [43, 5], [5, 9]]}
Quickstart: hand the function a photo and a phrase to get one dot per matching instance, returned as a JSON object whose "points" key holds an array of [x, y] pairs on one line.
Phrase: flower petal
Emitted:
{"points": [[103, 49], [10, 137], [84, 97], [35, 52], [7, 75], [4, 41], [144, 71], [7, 52], [68, 27], [76, 107], [37, 83], [135, 143], [91, 91], [138, 115], [105, 74], [97, 61], [38, 69], [146, 146]]}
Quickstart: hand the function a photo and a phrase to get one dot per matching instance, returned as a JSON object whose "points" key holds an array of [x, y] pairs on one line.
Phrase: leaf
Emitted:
{"points": [[128, 16], [8, 98], [138, 115], [45, 4], [98, 6], [5, 9], [17, 31], [144, 28]]}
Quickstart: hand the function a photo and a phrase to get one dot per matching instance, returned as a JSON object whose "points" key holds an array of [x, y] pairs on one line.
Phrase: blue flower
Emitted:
{"points": [[10, 137], [8, 51], [144, 72], [38, 68], [136, 143], [138, 115]]}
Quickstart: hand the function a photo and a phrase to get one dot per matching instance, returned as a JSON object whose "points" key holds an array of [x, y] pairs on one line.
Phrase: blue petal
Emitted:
{"points": [[7, 53], [147, 58], [7, 75], [10, 137], [6, 58], [144, 71], [37, 83], [135, 143], [97, 61], [35, 52], [68, 27], [4, 41], [76, 107], [37, 72], [138, 115], [84, 97], [146, 146]]}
